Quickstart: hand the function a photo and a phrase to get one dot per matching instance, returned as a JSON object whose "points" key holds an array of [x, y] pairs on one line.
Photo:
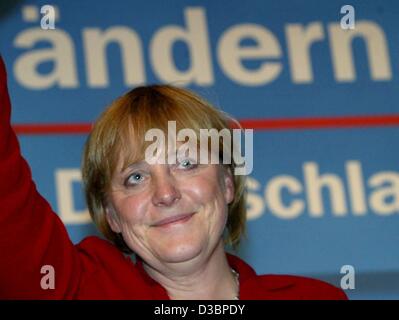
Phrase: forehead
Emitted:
{"points": [[165, 150], [139, 143]]}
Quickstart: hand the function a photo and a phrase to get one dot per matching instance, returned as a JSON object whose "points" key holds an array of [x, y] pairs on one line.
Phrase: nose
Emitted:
{"points": [[165, 192]]}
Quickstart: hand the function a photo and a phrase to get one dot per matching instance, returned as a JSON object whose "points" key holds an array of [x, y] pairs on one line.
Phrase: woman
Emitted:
{"points": [[175, 216]]}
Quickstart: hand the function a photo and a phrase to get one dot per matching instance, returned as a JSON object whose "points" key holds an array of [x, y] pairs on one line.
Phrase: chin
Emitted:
{"points": [[180, 252]]}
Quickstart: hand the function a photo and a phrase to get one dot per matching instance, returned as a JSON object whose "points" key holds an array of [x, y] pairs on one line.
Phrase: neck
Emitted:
{"points": [[209, 280]]}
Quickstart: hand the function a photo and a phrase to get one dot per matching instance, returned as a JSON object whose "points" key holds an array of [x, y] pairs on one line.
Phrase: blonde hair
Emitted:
{"points": [[125, 122]]}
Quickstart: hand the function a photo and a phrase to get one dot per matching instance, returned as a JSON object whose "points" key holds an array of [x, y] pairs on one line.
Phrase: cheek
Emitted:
{"points": [[208, 192], [130, 209], [203, 189]]}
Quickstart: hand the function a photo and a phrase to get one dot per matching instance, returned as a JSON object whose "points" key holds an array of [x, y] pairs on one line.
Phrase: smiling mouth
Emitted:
{"points": [[180, 218]]}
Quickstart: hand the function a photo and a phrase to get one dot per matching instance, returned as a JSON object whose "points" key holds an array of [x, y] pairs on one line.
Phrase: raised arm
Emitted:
{"points": [[31, 234]]}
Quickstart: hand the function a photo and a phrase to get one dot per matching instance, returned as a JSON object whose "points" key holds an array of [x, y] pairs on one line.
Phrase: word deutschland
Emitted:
{"points": [[316, 193]]}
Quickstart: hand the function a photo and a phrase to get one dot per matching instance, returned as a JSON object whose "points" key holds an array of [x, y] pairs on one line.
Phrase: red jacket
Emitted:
{"points": [[32, 236]]}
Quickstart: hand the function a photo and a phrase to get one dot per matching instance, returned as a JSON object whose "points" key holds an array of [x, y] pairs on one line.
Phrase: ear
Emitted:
{"points": [[228, 180], [112, 218]]}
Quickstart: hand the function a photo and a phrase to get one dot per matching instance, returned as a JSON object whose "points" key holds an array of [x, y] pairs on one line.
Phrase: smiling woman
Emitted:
{"points": [[176, 218], [114, 161], [172, 216]]}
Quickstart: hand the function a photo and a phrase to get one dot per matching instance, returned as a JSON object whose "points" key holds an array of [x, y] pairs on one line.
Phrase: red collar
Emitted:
{"points": [[249, 288]]}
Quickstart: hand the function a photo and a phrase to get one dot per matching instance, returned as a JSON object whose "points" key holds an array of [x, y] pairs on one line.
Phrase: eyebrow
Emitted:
{"points": [[140, 164], [135, 165]]}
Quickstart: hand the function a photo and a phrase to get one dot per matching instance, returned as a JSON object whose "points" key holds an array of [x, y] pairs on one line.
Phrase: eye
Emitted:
{"points": [[134, 179], [187, 164]]}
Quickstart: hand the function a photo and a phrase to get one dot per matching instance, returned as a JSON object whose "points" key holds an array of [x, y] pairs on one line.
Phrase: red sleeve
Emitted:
{"points": [[31, 234], [314, 289]]}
